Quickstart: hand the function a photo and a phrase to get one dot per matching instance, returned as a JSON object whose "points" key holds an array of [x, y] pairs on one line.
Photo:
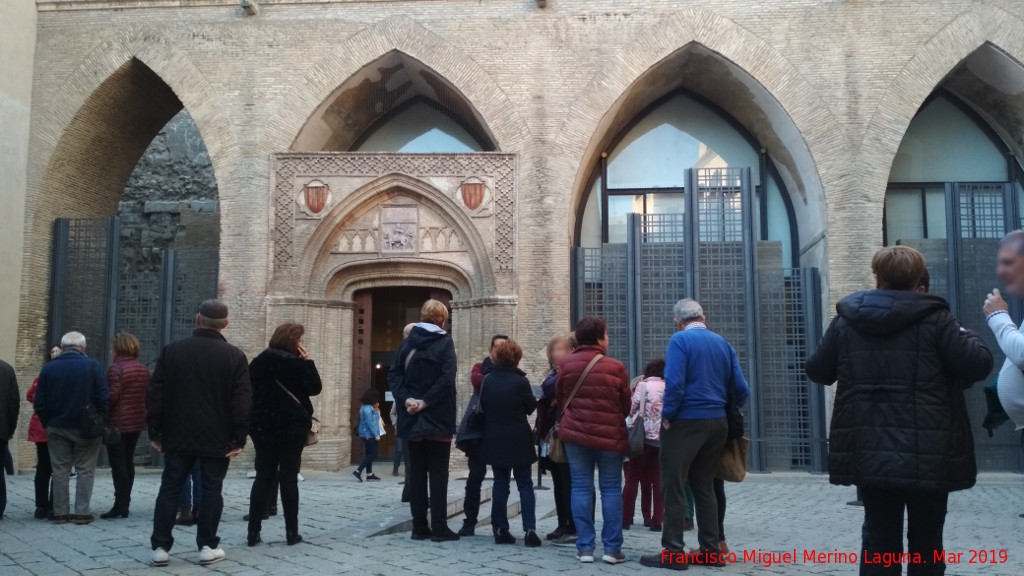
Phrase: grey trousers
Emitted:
{"points": [[68, 448], [690, 451]]}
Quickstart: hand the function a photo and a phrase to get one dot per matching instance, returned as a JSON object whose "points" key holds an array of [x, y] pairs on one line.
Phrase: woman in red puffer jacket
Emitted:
{"points": [[593, 429], [37, 435], [128, 380]]}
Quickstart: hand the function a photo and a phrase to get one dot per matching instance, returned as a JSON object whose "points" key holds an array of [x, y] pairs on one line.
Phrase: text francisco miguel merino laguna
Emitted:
{"points": [[768, 559]]}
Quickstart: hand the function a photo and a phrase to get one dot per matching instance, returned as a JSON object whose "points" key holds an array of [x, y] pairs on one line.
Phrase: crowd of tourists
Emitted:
{"points": [[899, 431]]}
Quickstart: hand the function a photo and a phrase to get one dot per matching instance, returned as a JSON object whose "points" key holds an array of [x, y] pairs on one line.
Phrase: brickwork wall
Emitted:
{"points": [[832, 87]]}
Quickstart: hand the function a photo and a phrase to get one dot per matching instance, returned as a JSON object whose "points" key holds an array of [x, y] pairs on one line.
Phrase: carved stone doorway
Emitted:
{"points": [[380, 317]]}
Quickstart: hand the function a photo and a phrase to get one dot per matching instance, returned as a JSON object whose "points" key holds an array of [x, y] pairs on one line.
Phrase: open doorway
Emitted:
{"points": [[381, 316]]}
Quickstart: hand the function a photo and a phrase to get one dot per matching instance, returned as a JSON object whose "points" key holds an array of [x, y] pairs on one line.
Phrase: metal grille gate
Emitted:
{"points": [[94, 293], [962, 268], [771, 315]]}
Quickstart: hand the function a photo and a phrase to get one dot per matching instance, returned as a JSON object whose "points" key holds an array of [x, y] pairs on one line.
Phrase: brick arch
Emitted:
{"points": [[95, 128], [803, 116], [399, 33], [323, 279], [916, 81]]}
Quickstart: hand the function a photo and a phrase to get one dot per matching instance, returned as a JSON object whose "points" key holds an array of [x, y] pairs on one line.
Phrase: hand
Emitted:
{"points": [[411, 405], [994, 303], [157, 445], [666, 424], [231, 455], [303, 353], [378, 438]]}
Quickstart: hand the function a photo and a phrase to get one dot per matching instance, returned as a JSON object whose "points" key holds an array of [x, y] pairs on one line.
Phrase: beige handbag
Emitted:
{"points": [[556, 450], [732, 467]]}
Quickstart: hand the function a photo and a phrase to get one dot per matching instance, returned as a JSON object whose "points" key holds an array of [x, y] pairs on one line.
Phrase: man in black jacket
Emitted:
{"points": [[197, 407], [900, 430], [10, 405], [422, 379]]}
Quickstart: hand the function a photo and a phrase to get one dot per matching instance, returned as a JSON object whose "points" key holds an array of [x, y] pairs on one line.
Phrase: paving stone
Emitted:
{"points": [[769, 513]]}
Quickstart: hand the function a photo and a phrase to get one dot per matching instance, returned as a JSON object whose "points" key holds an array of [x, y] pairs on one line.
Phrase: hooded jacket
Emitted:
{"points": [[901, 363], [429, 375]]}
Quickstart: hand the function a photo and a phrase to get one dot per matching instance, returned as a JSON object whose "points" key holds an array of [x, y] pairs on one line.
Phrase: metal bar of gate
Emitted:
{"points": [[113, 286], [810, 292], [953, 246], [692, 232], [59, 279], [578, 271], [753, 332], [633, 308]]}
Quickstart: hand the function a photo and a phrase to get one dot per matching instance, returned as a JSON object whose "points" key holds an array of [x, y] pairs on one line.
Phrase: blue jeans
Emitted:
{"points": [[609, 477], [499, 497]]}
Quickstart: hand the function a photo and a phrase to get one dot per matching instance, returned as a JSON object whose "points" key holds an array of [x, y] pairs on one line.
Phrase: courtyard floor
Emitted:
{"points": [[768, 513]]}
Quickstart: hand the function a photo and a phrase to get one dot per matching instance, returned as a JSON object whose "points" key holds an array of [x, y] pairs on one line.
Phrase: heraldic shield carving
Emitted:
{"points": [[473, 194], [315, 196]]}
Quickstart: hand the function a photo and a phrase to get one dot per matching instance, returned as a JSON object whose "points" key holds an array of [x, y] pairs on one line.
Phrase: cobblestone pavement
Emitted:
{"points": [[772, 513]]}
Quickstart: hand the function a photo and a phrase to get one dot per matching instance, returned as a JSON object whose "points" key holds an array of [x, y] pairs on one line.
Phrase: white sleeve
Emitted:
{"points": [[1010, 339]]}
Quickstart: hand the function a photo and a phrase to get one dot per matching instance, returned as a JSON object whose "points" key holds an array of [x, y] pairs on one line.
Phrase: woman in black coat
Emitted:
{"points": [[283, 378], [507, 442], [422, 379]]}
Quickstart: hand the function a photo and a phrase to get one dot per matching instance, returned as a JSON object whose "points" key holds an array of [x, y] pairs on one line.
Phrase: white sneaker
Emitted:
{"points": [[209, 555], [301, 478], [585, 557], [161, 557]]}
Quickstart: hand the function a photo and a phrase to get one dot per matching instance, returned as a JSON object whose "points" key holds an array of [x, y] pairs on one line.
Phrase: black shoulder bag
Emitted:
{"points": [[91, 421]]}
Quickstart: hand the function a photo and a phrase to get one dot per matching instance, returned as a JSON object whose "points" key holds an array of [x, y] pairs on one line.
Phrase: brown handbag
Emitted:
{"points": [[556, 450]]}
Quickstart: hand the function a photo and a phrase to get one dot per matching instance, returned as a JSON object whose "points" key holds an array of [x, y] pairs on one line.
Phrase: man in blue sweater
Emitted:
{"points": [[66, 385], [701, 370]]}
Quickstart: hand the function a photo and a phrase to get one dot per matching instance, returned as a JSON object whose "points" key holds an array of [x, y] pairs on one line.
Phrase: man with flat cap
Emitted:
{"points": [[197, 410]]}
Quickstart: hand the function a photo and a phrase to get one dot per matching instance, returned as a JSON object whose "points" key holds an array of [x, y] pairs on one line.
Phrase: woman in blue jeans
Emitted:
{"points": [[507, 440], [593, 391]]}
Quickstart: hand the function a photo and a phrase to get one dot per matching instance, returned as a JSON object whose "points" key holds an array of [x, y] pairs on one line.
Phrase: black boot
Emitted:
{"points": [[253, 538], [503, 537], [114, 513], [443, 534], [468, 528], [292, 537]]}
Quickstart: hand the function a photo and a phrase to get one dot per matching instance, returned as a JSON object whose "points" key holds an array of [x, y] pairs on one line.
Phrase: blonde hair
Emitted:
{"points": [[435, 312]]}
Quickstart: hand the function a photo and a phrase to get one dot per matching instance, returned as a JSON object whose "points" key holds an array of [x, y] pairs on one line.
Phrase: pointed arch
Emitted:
{"points": [[400, 33], [693, 49], [89, 134], [984, 27], [380, 92]]}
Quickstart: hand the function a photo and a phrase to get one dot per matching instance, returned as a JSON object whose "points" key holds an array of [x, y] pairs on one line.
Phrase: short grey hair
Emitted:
{"points": [[1016, 238], [212, 323], [687, 309], [74, 340]]}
